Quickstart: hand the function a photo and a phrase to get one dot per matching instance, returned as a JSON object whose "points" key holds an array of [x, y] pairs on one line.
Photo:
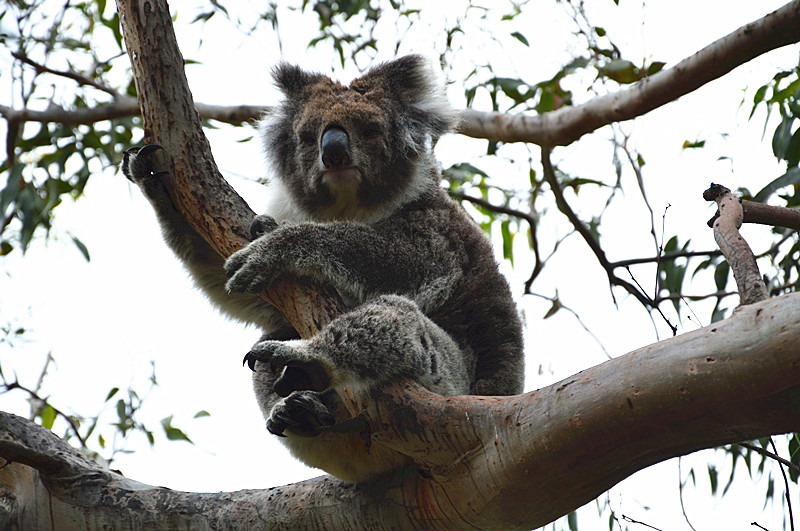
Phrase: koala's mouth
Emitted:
{"points": [[341, 179]]}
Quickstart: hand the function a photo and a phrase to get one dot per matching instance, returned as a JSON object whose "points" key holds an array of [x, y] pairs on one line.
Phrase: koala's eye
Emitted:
{"points": [[308, 138], [371, 131]]}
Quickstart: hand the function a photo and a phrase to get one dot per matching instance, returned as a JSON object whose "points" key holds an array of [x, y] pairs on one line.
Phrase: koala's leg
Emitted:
{"points": [[382, 340], [203, 263]]}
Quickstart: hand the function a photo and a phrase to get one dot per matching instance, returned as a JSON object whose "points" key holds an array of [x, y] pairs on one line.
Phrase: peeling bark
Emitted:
{"points": [[726, 224]]}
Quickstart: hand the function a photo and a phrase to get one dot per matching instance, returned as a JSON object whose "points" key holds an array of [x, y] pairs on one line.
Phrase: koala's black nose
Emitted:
{"points": [[336, 149]]}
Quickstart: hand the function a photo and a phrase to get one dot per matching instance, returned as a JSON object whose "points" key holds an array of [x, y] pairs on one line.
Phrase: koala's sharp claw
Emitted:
{"points": [[275, 429], [148, 148], [287, 420]]}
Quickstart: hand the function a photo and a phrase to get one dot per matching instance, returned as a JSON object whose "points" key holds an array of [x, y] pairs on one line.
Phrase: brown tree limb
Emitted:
{"points": [[726, 223], [488, 462], [564, 126], [560, 127]]}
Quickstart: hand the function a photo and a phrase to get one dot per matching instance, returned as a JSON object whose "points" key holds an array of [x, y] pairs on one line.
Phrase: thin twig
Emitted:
{"points": [[583, 230], [666, 257], [78, 78], [680, 495], [537, 267], [786, 485], [771, 455], [35, 396]]}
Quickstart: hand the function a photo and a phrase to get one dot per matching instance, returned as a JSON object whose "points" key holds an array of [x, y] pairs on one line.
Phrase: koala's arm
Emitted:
{"points": [[360, 261], [203, 263]]}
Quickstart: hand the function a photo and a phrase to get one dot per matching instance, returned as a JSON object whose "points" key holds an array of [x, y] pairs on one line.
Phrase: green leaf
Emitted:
{"points": [[791, 177], [48, 416], [621, 70], [782, 138], [122, 411], [572, 521], [111, 393], [508, 241], [713, 477], [202, 413], [721, 275], [173, 433], [520, 37], [693, 145], [601, 32], [655, 67], [82, 248], [794, 455], [758, 98]]}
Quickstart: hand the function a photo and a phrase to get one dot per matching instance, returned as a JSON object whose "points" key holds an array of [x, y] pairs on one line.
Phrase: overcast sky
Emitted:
{"points": [[104, 321]]}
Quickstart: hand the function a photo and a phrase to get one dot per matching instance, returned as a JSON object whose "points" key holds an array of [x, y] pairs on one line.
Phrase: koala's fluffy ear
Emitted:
{"points": [[415, 82], [293, 80]]}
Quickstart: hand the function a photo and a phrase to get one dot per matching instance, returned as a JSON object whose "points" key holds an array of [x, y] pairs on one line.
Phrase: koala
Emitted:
{"points": [[356, 204]]}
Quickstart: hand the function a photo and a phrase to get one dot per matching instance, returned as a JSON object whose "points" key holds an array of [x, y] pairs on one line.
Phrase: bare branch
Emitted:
{"points": [[771, 455], [126, 106], [564, 126], [81, 80], [537, 267], [666, 257], [560, 127], [733, 246], [489, 462], [583, 230]]}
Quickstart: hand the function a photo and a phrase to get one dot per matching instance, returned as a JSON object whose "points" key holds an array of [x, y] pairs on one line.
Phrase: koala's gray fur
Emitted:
{"points": [[356, 204]]}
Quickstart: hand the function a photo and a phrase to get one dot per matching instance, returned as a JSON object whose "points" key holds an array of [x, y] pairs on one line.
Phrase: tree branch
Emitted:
{"points": [[588, 237], [738, 254], [78, 78], [564, 126], [560, 127], [539, 263], [488, 462]]}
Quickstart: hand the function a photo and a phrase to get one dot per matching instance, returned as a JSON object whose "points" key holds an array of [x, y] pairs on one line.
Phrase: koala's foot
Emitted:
{"points": [[261, 225], [301, 413], [301, 372], [138, 165]]}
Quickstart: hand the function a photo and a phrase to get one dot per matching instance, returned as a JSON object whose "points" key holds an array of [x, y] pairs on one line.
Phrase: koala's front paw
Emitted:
{"points": [[301, 372], [261, 225], [138, 165], [303, 414], [252, 269]]}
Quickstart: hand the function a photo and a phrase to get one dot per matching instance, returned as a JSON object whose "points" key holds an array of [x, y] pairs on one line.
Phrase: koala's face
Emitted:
{"points": [[353, 152]]}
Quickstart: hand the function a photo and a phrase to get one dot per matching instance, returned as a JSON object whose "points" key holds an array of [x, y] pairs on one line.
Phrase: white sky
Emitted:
{"points": [[105, 320]]}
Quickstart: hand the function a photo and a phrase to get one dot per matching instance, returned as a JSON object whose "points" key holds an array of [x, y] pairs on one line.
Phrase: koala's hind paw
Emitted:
{"points": [[303, 414], [137, 165], [300, 372]]}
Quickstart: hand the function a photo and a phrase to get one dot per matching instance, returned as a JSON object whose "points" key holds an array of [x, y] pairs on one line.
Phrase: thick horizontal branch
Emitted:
{"points": [[488, 462], [127, 106], [560, 127]]}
